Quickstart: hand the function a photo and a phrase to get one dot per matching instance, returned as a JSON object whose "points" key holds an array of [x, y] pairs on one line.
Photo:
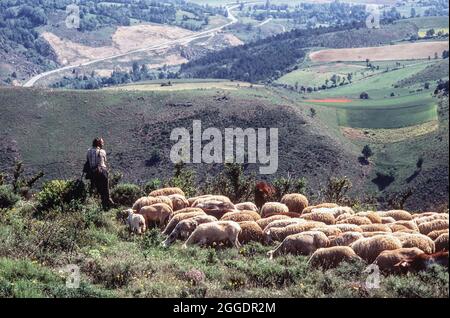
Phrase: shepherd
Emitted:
{"points": [[96, 170]]}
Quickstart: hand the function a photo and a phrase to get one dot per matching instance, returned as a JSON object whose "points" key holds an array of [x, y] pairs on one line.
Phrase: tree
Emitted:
{"points": [[367, 152], [430, 33]]}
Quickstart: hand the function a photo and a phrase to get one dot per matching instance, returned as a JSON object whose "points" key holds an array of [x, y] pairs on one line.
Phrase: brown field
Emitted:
{"points": [[410, 51], [125, 39], [225, 85]]}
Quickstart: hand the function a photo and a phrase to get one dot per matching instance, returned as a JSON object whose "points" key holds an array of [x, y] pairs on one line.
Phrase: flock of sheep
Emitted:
{"points": [[395, 240]]}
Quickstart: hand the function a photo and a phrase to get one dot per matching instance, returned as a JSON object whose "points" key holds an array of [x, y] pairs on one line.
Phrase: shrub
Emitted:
{"points": [[7, 197], [126, 194], [152, 185], [56, 194]]}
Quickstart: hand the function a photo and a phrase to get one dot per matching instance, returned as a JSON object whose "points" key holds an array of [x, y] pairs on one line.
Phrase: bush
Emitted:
{"points": [[56, 194], [7, 197], [152, 185], [126, 194]]}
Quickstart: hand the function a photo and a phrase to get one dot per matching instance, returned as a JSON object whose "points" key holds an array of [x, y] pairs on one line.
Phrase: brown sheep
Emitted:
{"points": [[208, 234], [250, 232], [147, 201], [330, 257], [158, 214], [246, 206], [185, 228], [186, 210], [271, 208], [441, 243], [295, 202], [324, 217], [428, 227], [280, 233], [344, 227], [263, 222], [375, 228], [374, 217], [290, 214], [387, 260], [300, 244], [357, 220], [263, 192], [369, 248], [398, 215], [435, 234], [166, 192], [422, 214], [387, 220], [343, 217], [241, 216], [329, 231], [179, 217], [345, 239], [178, 201], [308, 209]]}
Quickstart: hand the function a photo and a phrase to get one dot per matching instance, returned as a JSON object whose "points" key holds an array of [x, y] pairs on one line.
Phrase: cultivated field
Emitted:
{"points": [[410, 51], [181, 86]]}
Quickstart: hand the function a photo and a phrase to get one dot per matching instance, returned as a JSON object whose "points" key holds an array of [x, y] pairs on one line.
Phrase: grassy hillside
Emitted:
{"points": [[41, 127]]}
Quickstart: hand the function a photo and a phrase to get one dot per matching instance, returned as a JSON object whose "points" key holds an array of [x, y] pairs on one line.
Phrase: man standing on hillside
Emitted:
{"points": [[97, 171]]}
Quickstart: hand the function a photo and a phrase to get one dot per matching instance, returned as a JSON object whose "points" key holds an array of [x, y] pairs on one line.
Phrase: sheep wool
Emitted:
{"points": [[387, 220], [324, 217], [246, 206], [374, 217], [345, 239], [398, 215], [295, 202], [177, 218], [329, 231], [435, 234], [263, 222], [301, 244], [166, 192], [283, 223], [435, 225], [330, 257], [271, 208], [357, 220], [218, 232], [178, 201], [280, 233], [375, 228], [308, 209], [369, 248], [345, 227], [441, 243], [240, 216], [250, 232], [158, 213], [147, 201]]}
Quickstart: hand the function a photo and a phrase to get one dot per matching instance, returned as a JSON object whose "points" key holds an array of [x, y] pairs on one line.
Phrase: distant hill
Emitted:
{"points": [[51, 130]]}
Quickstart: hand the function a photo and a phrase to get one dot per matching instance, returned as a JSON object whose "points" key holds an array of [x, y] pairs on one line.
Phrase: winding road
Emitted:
{"points": [[31, 82]]}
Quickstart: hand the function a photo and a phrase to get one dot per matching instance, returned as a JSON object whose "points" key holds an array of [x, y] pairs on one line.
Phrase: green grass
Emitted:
{"points": [[138, 266]]}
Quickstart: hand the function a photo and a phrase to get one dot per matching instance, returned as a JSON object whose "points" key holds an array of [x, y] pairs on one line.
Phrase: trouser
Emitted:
{"points": [[100, 182]]}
